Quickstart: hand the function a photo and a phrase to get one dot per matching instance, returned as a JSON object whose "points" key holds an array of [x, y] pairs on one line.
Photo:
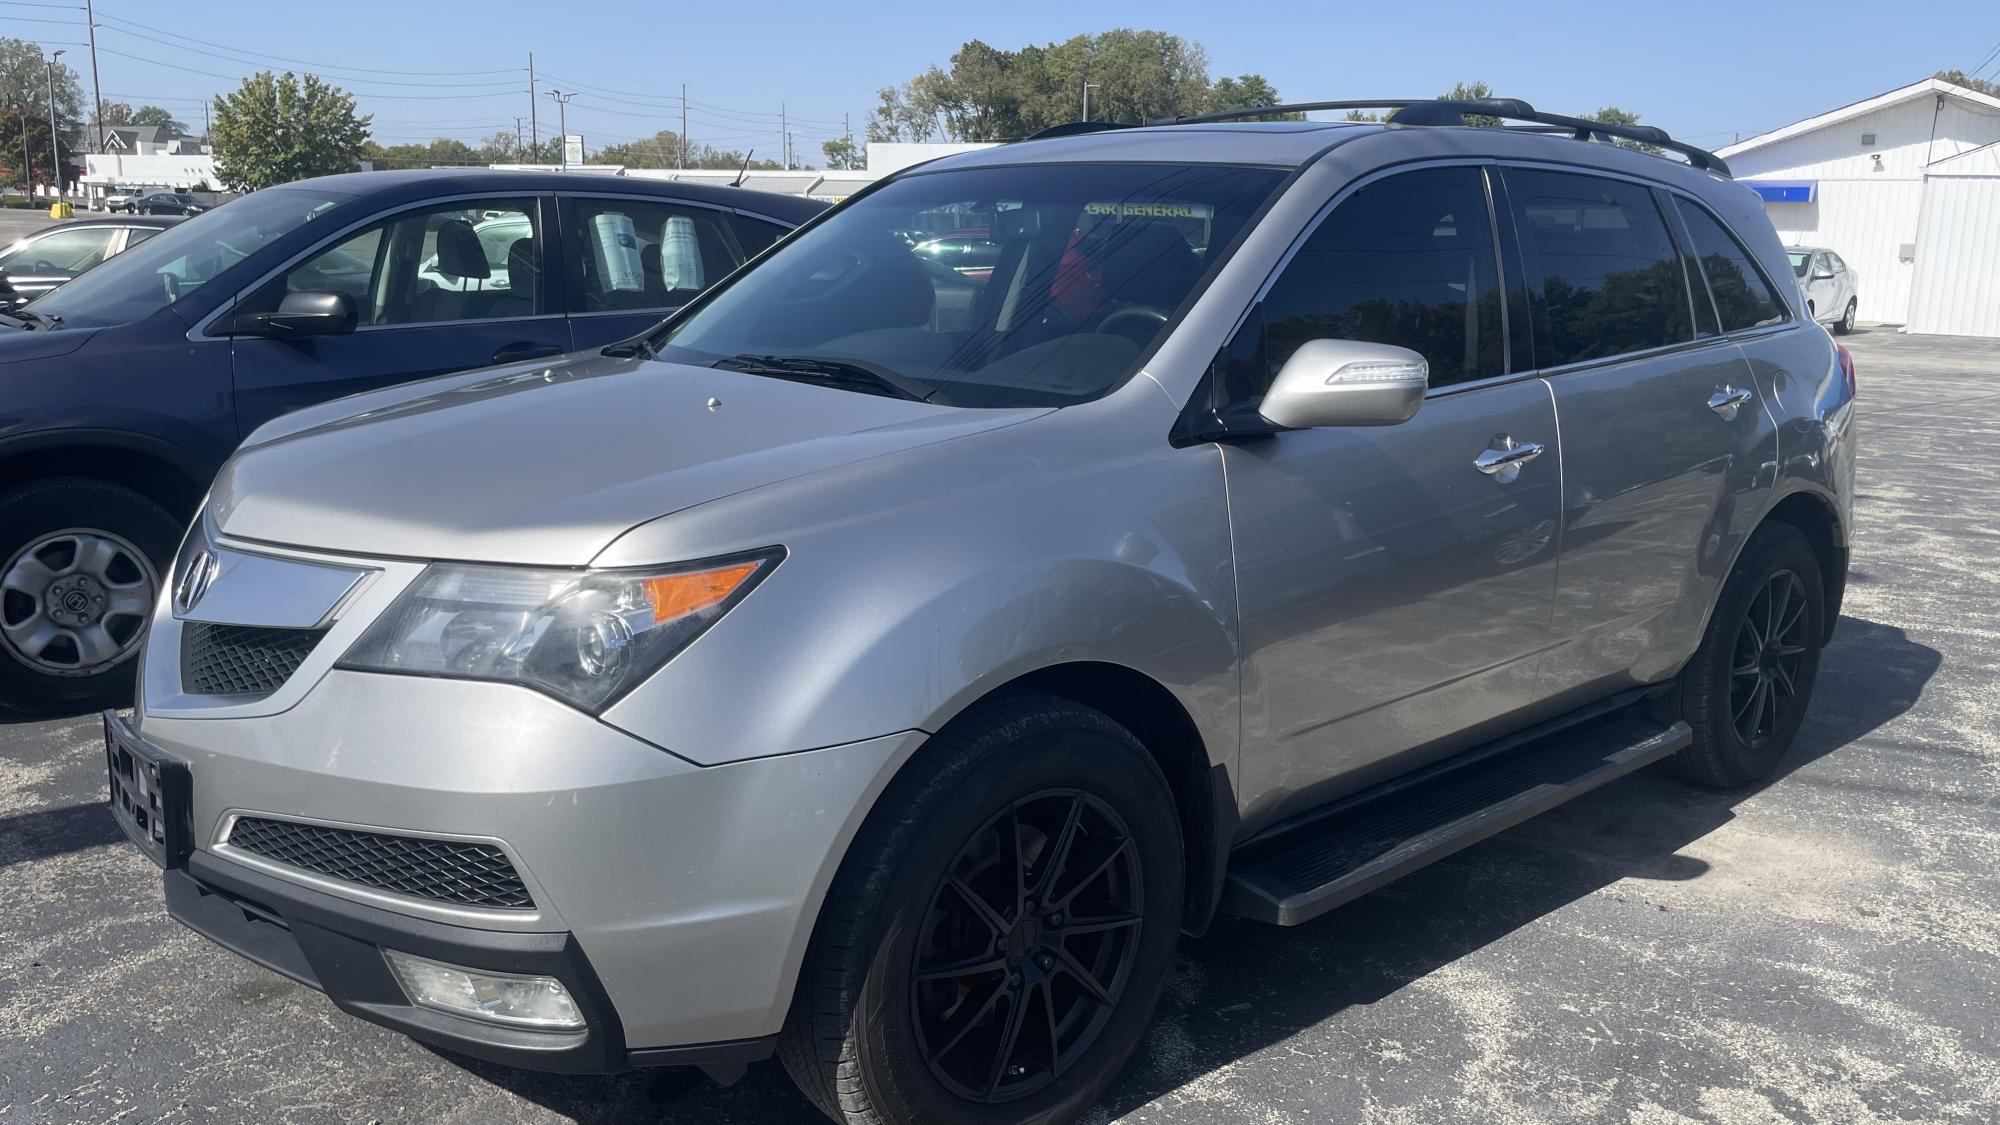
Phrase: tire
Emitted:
{"points": [[1734, 747], [1810, 314], [53, 534], [1845, 324], [859, 1037]]}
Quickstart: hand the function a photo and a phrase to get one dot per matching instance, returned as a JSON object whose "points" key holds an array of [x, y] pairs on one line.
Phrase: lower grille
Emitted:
{"points": [[241, 659], [451, 871]]}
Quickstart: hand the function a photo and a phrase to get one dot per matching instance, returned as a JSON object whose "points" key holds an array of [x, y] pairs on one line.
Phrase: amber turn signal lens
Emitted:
{"points": [[677, 595]]}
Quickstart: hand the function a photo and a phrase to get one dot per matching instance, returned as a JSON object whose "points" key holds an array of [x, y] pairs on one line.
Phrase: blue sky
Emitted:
{"points": [[1703, 70]]}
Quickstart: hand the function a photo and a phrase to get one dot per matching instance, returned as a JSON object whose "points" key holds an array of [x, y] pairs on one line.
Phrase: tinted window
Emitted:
{"points": [[65, 253], [1604, 277], [753, 235], [1091, 264], [432, 265], [1407, 260], [135, 235], [646, 254], [1743, 299]]}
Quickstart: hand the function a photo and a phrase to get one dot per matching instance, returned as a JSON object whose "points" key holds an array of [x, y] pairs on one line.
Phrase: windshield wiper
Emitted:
{"points": [[849, 373], [640, 345], [30, 319]]}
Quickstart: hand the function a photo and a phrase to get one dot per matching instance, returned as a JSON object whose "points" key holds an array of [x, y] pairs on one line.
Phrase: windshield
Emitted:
{"points": [[183, 258], [1017, 286], [1801, 261]]}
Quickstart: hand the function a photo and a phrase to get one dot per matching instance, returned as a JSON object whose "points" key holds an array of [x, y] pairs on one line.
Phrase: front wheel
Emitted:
{"points": [[80, 567], [1745, 691], [997, 937]]}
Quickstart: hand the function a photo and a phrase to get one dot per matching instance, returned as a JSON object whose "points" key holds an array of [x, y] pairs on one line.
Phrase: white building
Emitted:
{"points": [[1905, 187]]}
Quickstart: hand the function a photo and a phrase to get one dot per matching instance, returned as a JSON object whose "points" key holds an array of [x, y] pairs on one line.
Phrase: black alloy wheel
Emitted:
{"points": [[1027, 946], [1769, 664]]}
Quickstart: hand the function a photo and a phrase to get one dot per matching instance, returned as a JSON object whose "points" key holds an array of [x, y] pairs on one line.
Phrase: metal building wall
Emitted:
{"points": [[1957, 286], [1866, 222]]}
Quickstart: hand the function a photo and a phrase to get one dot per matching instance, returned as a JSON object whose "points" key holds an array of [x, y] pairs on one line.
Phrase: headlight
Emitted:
{"points": [[583, 636]]}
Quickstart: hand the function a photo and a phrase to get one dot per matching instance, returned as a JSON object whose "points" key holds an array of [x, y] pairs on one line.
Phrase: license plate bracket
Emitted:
{"points": [[150, 791]]}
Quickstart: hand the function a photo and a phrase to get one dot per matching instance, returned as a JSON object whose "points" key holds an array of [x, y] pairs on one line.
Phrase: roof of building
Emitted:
{"points": [[1981, 161], [1926, 88]]}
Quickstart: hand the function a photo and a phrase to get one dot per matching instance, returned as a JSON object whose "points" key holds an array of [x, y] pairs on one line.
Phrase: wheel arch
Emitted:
{"points": [[163, 473], [1204, 799]]}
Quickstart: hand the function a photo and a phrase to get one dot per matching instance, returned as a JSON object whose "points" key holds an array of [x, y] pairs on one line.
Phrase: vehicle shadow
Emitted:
{"points": [[1245, 986], [46, 833]]}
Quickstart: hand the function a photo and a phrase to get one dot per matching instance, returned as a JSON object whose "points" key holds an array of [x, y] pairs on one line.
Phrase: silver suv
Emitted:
{"points": [[882, 665]]}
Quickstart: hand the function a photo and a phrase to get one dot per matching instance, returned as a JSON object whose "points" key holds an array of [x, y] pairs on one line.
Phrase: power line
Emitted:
{"points": [[361, 93], [322, 73], [306, 62]]}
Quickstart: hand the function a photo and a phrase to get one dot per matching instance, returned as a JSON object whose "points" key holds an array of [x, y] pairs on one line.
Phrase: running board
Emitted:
{"points": [[1299, 874]]}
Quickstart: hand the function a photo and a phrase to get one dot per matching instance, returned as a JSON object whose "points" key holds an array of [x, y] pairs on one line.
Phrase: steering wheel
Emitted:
{"points": [[1147, 318], [43, 265]]}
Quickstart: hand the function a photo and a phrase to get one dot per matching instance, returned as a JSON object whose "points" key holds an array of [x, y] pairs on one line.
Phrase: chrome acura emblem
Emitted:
{"points": [[195, 580]]}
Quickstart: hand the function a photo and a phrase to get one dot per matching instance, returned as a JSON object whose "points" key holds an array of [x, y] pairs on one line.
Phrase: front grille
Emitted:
{"points": [[441, 870], [241, 659]]}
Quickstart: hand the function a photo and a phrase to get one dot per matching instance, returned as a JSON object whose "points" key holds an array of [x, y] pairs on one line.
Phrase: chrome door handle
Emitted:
{"points": [[1726, 401], [1503, 460]]}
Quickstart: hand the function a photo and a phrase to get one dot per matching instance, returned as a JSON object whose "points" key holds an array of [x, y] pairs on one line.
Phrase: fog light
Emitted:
{"points": [[521, 1001]]}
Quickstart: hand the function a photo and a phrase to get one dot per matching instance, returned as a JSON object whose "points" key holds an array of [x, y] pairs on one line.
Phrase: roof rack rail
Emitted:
{"points": [[1454, 111]]}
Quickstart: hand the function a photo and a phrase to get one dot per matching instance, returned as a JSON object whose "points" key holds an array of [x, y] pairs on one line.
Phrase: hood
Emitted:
{"points": [[17, 344], [547, 465]]}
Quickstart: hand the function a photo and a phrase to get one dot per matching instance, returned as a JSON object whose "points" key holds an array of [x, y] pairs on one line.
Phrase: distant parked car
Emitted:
{"points": [[121, 392], [47, 258], [170, 203], [127, 198], [1828, 285]]}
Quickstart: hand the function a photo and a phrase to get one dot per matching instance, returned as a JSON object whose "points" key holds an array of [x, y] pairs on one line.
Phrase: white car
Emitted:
{"points": [[1828, 285]]}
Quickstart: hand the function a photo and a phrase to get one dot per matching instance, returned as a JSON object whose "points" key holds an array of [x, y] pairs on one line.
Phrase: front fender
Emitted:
{"points": [[967, 565]]}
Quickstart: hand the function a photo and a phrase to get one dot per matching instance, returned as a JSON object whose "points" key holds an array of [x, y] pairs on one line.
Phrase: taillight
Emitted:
{"points": [[1846, 368]]}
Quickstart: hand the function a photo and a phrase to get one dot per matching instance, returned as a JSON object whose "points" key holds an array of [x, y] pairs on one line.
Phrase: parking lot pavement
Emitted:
{"points": [[1824, 949], [14, 224]]}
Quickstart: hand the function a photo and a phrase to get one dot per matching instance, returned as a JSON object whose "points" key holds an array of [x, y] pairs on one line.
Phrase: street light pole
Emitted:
{"points": [[1087, 88], [562, 122], [55, 154]]}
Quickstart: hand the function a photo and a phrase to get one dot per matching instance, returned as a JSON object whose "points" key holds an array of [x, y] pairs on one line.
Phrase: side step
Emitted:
{"points": [[1300, 873]]}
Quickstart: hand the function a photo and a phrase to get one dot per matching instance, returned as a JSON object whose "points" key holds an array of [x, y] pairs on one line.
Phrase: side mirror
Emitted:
{"points": [[301, 314], [1346, 383]]}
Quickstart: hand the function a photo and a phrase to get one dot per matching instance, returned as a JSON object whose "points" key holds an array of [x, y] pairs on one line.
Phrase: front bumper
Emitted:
{"points": [[335, 946], [674, 901]]}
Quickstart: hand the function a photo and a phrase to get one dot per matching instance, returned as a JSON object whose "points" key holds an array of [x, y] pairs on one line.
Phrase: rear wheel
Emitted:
{"points": [[1746, 690], [80, 567], [997, 937], [1845, 324]]}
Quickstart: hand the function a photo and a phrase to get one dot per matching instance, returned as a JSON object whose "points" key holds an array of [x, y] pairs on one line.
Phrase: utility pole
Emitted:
{"points": [[784, 139], [27, 162], [204, 122], [55, 154], [517, 134], [683, 161], [534, 130], [562, 122], [96, 92], [847, 130], [1088, 86]]}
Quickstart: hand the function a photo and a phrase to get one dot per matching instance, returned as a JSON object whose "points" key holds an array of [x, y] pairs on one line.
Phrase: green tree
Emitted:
{"points": [[12, 122], [117, 114], [1612, 115], [989, 94], [1960, 78], [843, 155], [156, 115], [24, 81], [1472, 91], [661, 150], [275, 129]]}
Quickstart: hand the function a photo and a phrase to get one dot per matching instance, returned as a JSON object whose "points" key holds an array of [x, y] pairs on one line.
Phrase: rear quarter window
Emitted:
{"points": [[1743, 298]]}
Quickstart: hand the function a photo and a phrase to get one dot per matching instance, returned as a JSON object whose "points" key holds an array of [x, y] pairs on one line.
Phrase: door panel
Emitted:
{"points": [[436, 290], [1392, 595], [1657, 485]]}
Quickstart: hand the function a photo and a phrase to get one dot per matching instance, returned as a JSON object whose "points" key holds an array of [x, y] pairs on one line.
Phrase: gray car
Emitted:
{"points": [[887, 683]]}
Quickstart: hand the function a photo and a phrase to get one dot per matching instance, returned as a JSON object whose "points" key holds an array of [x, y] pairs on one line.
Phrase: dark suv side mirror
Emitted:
{"points": [[301, 314]]}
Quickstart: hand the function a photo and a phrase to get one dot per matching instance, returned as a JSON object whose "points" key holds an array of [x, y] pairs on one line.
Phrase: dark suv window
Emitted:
{"points": [[1743, 299], [1604, 277], [1407, 260]]}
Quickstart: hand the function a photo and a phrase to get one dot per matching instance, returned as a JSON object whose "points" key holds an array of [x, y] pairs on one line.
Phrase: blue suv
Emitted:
{"points": [[122, 392]]}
